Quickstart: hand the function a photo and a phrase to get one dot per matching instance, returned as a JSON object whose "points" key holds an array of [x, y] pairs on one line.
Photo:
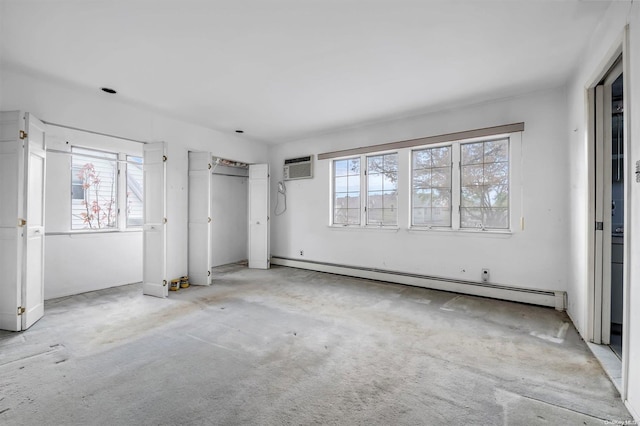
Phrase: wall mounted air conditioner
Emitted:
{"points": [[298, 168]]}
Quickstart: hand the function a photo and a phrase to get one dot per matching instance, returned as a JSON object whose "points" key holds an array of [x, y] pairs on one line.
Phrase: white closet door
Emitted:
{"points": [[11, 208], [154, 280], [22, 173], [259, 216], [199, 218], [33, 235]]}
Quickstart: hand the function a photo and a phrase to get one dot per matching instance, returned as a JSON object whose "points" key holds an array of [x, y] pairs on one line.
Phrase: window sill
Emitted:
{"points": [[363, 228], [490, 232], [95, 232]]}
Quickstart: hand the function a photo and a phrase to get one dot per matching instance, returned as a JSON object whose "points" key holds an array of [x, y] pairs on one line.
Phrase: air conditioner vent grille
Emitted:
{"points": [[298, 168]]}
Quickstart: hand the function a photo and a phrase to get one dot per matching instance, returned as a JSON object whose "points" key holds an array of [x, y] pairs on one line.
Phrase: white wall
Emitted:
{"points": [[603, 39], [533, 258], [60, 102], [229, 203]]}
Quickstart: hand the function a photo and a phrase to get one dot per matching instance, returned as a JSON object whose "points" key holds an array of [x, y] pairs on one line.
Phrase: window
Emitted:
{"points": [[346, 191], [474, 196], [484, 185], [431, 187], [134, 191], [382, 189], [94, 189], [97, 192]]}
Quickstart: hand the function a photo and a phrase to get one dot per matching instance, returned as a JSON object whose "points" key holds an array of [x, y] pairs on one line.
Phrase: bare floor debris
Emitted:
{"points": [[288, 346]]}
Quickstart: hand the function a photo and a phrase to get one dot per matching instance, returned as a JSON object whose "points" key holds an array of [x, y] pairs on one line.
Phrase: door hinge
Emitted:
{"points": [[164, 158], [599, 226], [164, 220], [164, 283], [22, 222], [21, 310], [208, 273], [208, 220], [23, 134], [209, 166]]}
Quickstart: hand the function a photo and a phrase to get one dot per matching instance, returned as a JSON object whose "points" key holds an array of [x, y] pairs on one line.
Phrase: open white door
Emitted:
{"points": [[22, 172], [33, 235], [199, 218], [11, 213], [259, 216], [154, 280]]}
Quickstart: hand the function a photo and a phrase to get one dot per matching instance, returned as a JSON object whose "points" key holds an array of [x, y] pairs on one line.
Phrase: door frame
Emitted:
{"points": [[598, 306]]}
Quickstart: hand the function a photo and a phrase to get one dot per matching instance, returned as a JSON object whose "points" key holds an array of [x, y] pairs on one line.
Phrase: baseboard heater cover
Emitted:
{"points": [[550, 298]]}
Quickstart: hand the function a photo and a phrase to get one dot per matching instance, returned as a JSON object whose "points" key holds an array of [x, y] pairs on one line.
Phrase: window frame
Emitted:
{"points": [[483, 226], [405, 179], [412, 152], [334, 177], [116, 199], [121, 187], [366, 201], [456, 185]]}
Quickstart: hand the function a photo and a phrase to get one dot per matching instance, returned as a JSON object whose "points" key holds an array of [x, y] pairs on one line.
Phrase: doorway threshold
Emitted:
{"points": [[611, 364]]}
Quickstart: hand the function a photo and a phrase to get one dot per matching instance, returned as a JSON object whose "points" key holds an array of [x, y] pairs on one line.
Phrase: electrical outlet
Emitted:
{"points": [[301, 252], [485, 275]]}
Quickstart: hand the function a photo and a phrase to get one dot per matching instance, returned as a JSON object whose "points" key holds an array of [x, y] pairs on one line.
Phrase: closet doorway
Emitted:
{"points": [[610, 209], [229, 212]]}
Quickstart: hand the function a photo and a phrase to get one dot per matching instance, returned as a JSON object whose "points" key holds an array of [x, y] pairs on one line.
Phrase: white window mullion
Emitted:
{"points": [[122, 192], [455, 185], [364, 195]]}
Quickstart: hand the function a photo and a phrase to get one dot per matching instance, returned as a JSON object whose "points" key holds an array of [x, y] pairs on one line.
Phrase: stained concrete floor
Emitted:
{"points": [[288, 346]]}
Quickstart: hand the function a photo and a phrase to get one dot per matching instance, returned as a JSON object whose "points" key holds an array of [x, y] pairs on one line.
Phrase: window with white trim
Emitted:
{"points": [[484, 184], [346, 191], [97, 192], [382, 189], [458, 185], [476, 198], [94, 189], [431, 187]]}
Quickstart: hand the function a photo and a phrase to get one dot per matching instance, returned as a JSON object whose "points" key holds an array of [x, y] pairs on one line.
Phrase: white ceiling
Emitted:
{"points": [[285, 69]]}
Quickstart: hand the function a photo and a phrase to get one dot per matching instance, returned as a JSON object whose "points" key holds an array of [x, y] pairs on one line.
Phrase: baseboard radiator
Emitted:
{"points": [[554, 299]]}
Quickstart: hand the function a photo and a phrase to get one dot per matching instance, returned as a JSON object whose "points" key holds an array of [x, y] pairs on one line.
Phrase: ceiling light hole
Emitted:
{"points": [[108, 90], [239, 131]]}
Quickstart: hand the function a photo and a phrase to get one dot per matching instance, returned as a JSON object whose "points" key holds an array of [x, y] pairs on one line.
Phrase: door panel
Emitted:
{"points": [[33, 272], [154, 280], [603, 197], [199, 218], [259, 216], [11, 207]]}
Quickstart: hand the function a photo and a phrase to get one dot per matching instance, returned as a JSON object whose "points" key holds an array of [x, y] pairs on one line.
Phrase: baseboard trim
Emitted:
{"points": [[632, 411], [554, 299]]}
